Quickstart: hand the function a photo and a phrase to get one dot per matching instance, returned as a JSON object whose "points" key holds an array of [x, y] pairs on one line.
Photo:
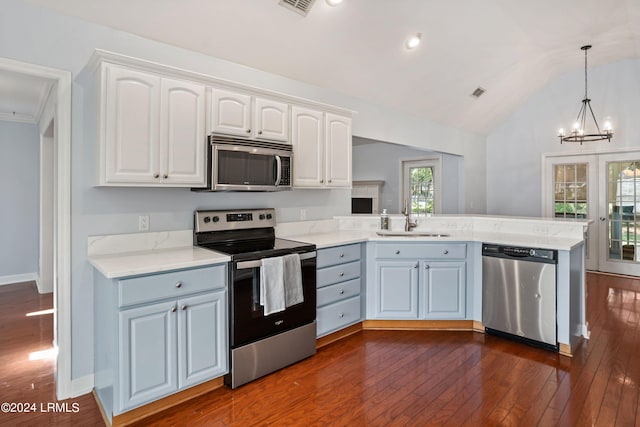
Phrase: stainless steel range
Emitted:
{"points": [[259, 343]]}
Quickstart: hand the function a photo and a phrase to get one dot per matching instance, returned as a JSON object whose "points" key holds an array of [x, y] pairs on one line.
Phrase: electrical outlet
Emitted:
{"points": [[303, 214], [143, 223]]}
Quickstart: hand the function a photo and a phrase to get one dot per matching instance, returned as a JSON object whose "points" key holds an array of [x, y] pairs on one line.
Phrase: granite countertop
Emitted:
{"points": [[127, 264]]}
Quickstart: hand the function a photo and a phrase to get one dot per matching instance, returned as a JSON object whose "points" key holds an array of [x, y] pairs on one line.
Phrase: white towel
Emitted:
{"points": [[272, 285], [292, 280]]}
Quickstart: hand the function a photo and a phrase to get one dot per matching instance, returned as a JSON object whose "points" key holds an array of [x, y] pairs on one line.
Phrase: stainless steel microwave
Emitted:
{"points": [[236, 164]]}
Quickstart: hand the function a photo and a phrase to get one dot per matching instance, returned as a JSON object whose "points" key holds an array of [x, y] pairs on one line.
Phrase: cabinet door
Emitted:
{"points": [[131, 141], [202, 338], [338, 151], [183, 138], [230, 113], [308, 147], [396, 293], [443, 290], [271, 120], [147, 356]]}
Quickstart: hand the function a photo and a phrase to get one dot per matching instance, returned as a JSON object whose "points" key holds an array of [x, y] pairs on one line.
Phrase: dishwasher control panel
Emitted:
{"points": [[533, 254]]}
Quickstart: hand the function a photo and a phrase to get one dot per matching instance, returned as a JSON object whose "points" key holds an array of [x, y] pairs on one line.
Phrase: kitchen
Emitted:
{"points": [[104, 211]]}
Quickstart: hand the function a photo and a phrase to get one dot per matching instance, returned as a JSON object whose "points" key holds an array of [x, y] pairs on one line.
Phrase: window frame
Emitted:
{"points": [[433, 162]]}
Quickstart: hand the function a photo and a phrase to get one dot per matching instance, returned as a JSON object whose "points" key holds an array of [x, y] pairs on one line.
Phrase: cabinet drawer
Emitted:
{"points": [[338, 315], [338, 255], [170, 285], [421, 251], [339, 273], [337, 292]]}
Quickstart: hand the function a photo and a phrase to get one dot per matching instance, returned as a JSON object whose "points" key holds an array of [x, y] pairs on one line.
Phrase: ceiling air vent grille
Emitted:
{"points": [[478, 92], [300, 6]]}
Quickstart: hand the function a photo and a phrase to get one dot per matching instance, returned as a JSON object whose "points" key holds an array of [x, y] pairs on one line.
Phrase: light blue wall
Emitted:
{"points": [[515, 149], [20, 195], [35, 35], [383, 161]]}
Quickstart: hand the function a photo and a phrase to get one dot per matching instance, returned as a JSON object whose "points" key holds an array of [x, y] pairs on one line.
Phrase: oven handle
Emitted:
{"points": [[243, 265]]}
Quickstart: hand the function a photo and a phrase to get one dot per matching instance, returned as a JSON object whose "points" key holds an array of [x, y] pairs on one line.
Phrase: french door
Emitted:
{"points": [[606, 189]]}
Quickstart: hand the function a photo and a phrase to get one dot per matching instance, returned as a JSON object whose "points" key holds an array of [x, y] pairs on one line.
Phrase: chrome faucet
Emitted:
{"points": [[408, 225]]}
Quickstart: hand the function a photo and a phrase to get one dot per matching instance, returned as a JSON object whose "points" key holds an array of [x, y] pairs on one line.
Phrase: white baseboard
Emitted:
{"points": [[19, 278], [82, 385]]}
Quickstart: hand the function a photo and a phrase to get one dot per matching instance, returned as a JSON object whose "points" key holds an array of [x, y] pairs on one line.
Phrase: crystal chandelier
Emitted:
{"points": [[579, 132]]}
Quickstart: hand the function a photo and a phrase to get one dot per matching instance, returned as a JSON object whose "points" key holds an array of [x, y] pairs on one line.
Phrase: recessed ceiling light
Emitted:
{"points": [[334, 2], [413, 41]]}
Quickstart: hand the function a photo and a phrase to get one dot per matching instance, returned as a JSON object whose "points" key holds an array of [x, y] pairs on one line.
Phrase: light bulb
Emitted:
{"points": [[576, 126], [561, 132], [413, 41], [333, 3], [607, 126]]}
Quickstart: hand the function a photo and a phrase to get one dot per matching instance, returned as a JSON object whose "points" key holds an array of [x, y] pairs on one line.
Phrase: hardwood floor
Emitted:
{"points": [[413, 378]]}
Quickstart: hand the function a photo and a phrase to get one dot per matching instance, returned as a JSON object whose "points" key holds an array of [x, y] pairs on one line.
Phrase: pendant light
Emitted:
{"points": [[579, 132]]}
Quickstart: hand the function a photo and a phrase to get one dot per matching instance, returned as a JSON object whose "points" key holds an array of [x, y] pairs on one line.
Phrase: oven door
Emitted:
{"points": [[247, 320], [249, 168]]}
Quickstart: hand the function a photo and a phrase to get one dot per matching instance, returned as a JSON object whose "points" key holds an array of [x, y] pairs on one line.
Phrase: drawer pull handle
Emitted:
{"points": [[178, 284], [397, 252], [445, 252], [341, 291], [184, 306], [341, 255], [341, 273], [341, 315], [173, 309]]}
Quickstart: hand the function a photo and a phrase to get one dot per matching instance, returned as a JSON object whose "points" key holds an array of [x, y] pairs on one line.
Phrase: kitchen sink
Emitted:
{"points": [[413, 233]]}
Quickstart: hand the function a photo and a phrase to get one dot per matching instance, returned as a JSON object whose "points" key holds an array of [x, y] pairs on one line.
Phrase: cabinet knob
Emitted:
{"points": [[445, 252], [341, 273], [165, 176], [426, 267], [341, 315], [173, 309], [330, 181], [397, 252], [259, 132], [341, 255], [248, 130], [321, 181], [184, 306], [341, 291], [416, 265], [156, 175], [178, 284]]}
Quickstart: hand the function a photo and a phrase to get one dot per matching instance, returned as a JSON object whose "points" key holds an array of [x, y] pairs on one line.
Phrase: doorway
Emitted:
{"points": [[604, 188], [59, 110]]}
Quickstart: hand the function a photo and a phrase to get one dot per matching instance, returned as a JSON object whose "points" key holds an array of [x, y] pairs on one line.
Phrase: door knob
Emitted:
{"points": [[603, 218]]}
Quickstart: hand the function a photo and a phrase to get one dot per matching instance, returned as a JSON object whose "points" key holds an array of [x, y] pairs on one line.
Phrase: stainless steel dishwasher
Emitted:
{"points": [[519, 293]]}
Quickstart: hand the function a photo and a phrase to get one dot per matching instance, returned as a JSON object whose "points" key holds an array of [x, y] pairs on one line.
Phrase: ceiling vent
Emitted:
{"points": [[299, 6], [478, 92]]}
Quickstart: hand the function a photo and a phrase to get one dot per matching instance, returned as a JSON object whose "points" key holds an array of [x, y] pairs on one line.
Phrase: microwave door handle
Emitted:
{"points": [[278, 170]]}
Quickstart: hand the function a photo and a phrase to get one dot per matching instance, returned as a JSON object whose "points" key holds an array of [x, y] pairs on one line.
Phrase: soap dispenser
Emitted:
{"points": [[384, 220]]}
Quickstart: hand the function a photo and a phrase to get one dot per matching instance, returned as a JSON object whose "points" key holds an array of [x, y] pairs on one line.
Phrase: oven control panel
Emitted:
{"points": [[234, 219]]}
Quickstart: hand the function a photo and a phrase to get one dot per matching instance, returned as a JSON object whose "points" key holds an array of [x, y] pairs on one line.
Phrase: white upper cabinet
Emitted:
{"points": [[271, 120], [307, 128], [321, 149], [182, 132], [338, 151], [242, 115], [152, 130], [131, 127]]}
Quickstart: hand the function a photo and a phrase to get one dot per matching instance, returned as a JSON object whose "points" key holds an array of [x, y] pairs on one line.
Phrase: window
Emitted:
{"points": [[570, 187], [421, 186]]}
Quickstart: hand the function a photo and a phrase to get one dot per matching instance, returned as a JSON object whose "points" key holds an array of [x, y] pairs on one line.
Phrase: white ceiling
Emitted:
{"points": [[511, 48]]}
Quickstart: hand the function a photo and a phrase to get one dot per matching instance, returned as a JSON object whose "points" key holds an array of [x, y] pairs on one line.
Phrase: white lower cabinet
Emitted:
{"points": [[338, 288], [417, 281], [159, 334]]}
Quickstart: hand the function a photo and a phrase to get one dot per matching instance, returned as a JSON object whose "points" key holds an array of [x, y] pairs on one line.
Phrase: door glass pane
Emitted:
{"points": [[421, 190], [570, 190], [623, 194]]}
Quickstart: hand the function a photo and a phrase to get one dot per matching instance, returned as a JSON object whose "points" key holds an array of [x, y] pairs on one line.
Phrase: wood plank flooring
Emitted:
{"points": [[403, 378]]}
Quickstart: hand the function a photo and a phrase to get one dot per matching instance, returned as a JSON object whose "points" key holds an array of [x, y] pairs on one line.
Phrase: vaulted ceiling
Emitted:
{"points": [[511, 48]]}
